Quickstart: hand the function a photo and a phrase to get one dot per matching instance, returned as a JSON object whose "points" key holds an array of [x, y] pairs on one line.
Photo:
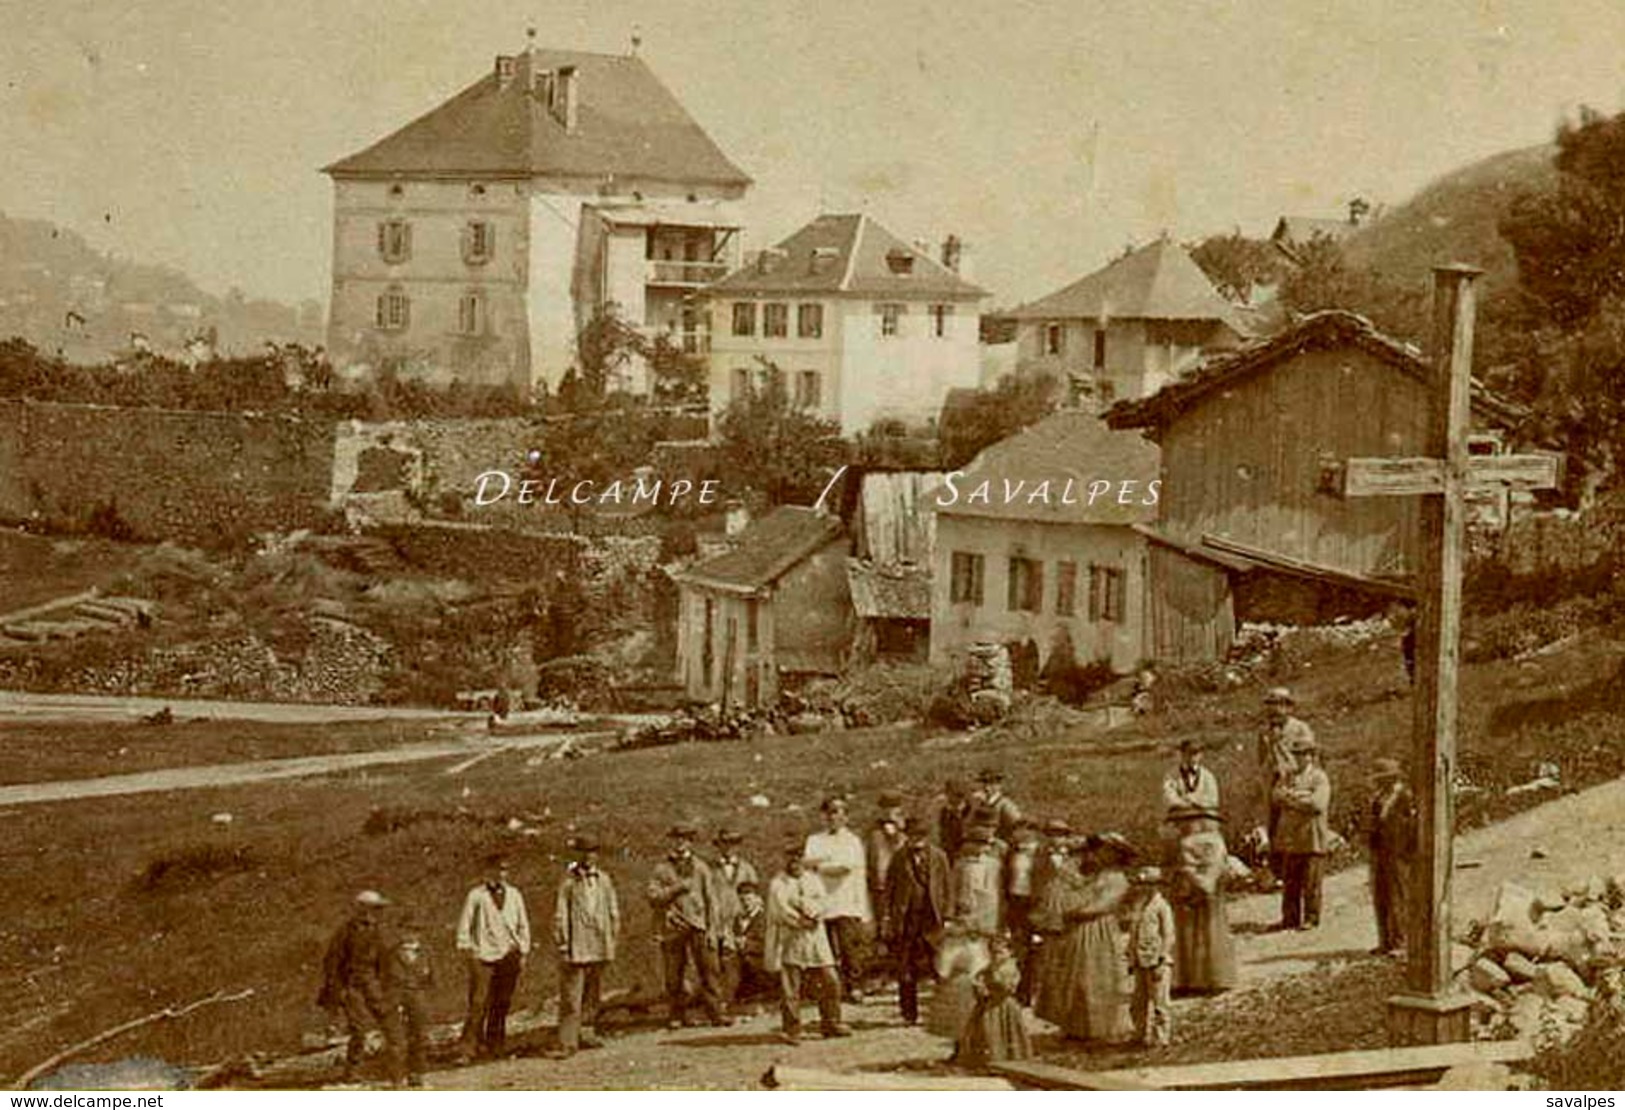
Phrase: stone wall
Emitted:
{"points": [[192, 477]]}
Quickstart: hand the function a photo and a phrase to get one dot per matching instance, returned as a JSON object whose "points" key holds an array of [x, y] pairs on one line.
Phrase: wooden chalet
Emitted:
{"points": [[1252, 443]]}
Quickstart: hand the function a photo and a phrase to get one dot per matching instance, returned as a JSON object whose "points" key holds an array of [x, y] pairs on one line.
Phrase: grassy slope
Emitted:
{"points": [[92, 946]]}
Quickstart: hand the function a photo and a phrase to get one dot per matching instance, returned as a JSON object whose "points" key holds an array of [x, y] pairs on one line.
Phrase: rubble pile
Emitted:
{"points": [[1533, 967]]}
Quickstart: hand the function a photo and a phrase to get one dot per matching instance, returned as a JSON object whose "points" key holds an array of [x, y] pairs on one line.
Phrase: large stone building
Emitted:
{"points": [[475, 242], [862, 325]]}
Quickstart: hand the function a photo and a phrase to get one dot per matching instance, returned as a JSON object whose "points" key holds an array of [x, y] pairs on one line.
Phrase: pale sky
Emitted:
{"points": [[1046, 133]]}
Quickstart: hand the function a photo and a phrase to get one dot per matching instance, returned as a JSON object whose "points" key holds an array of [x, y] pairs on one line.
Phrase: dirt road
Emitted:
{"points": [[237, 774], [1579, 835], [82, 707]]}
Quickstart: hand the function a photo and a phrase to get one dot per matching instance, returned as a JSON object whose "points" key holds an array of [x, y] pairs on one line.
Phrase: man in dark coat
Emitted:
{"points": [[1392, 834], [915, 904], [356, 983]]}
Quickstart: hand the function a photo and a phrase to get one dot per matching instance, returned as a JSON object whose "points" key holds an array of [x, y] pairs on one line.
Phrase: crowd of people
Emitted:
{"points": [[1000, 913]]}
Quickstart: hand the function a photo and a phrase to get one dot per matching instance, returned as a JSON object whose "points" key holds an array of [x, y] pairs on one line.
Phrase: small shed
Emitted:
{"points": [[776, 604]]}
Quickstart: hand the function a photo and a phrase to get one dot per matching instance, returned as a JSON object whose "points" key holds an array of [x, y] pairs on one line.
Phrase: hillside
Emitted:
{"points": [[63, 296], [1455, 219]]}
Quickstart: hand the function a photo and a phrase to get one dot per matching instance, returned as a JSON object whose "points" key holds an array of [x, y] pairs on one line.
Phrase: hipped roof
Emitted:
{"points": [[848, 253], [1159, 281], [628, 125], [1070, 444]]}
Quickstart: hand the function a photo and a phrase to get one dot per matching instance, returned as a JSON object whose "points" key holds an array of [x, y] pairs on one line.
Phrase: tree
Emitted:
{"points": [[1570, 245], [1236, 265], [608, 349], [779, 450], [986, 416]]}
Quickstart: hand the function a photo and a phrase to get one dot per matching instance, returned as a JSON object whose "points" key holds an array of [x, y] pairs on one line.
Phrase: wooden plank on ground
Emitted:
{"points": [[1360, 1070], [1049, 1077], [781, 1077]]}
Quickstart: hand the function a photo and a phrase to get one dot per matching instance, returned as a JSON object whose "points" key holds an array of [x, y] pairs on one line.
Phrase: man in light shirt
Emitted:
{"points": [[839, 857], [494, 932]]}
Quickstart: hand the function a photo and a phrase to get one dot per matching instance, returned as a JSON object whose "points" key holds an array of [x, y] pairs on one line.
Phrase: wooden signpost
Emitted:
{"points": [[1430, 1011]]}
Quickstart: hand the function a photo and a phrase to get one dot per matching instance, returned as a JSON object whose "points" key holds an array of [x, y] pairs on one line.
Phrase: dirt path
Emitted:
{"points": [[1579, 834], [237, 774], [85, 707]]}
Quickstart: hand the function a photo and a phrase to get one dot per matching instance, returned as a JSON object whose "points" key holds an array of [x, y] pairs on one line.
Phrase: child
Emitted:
{"points": [[749, 928], [995, 1030], [1151, 958], [410, 977]]}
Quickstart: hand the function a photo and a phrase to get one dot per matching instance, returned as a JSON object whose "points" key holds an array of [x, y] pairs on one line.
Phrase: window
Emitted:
{"points": [[808, 388], [479, 240], [1100, 348], [744, 318], [471, 313], [741, 382], [891, 319], [940, 315], [752, 620], [966, 581], [775, 320], [476, 190], [397, 191], [810, 321], [1054, 339], [1026, 592], [395, 240], [1106, 590], [1066, 588], [394, 309]]}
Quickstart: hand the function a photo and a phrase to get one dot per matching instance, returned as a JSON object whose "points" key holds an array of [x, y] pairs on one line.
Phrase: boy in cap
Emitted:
{"points": [[1151, 958], [494, 933], [586, 931], [1304, 798], [683, 893], [1392, 837], [797, 946], [732, 873], [838, 856], [408, 981], [915, 905], [355, 983]]}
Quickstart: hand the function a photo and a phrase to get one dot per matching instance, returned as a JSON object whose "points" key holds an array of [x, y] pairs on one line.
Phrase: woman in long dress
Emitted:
{"points": [[1197, 858], [1083, 978]]}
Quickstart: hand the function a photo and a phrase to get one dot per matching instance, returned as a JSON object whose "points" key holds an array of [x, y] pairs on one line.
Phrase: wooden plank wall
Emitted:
{"points": [[1245, 463], [1192, 610]]}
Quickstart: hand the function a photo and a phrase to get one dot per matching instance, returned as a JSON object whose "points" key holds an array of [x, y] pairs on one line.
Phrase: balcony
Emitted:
{"points": [[684, 275], [692, 341]]}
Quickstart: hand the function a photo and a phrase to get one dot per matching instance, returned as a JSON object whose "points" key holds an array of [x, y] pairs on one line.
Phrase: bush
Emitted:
{"points": [[1595, 1059], [195, 866]]}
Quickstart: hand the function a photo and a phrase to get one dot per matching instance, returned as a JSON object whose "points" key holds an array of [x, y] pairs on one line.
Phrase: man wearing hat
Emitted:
{"points": [[914, 906], [494, 933], [1275, 762], [1303, 838], [796, 945], [683, 893], [1392, 834], [586, 929], [993, 805], [839, 859], [881, 845], [355, 983], [732, 874]]}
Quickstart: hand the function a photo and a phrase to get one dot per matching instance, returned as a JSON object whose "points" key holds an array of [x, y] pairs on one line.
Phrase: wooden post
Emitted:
{"points": [[1430, 1011]]}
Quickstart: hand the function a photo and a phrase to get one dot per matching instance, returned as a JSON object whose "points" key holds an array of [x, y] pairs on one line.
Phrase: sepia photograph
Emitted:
{"points": [[812, 545]]}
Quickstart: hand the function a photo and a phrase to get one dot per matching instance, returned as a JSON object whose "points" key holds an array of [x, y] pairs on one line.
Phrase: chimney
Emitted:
{"points": [[567, 95], [1359, 209], [735, 518], [504, 70], [951, 248]]}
